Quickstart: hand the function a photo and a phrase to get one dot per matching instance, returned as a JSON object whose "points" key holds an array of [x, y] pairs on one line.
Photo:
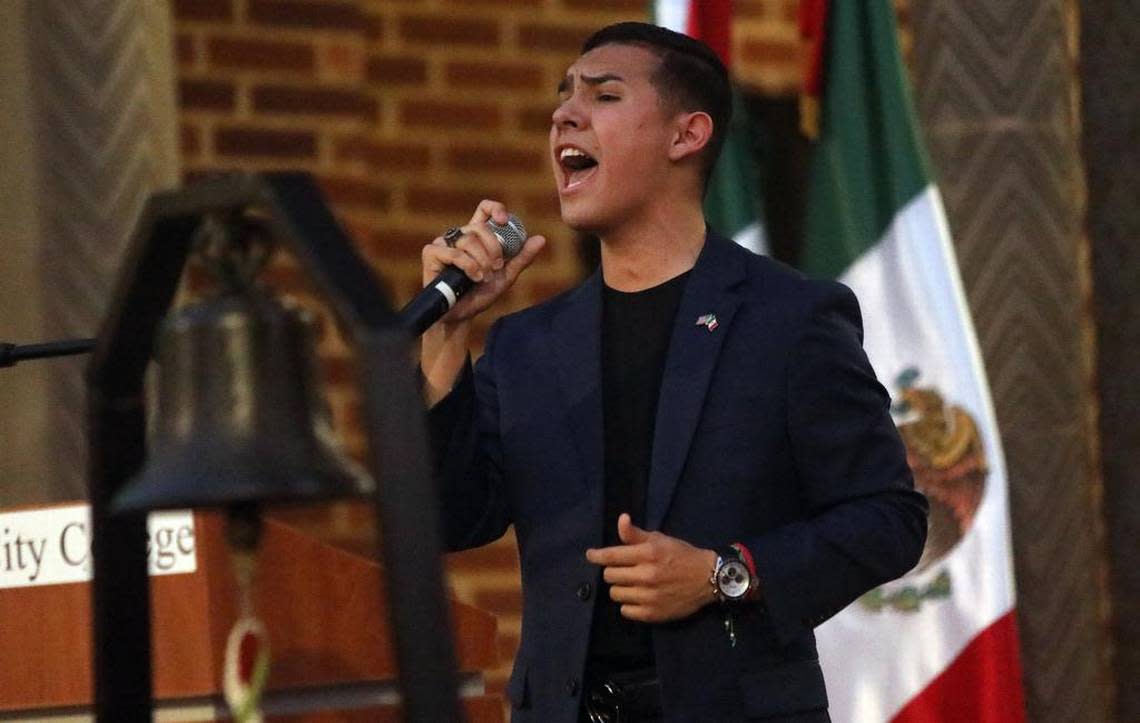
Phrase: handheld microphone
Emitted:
{"points": [[440, 295]]}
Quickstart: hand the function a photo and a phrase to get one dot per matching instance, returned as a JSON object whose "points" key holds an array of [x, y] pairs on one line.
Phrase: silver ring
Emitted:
{"points": [[452, 235]]}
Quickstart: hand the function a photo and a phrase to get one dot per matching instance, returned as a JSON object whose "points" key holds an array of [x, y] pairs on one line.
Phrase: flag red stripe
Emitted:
{"points": [[710, 21], [813, 26], [982, 685]]}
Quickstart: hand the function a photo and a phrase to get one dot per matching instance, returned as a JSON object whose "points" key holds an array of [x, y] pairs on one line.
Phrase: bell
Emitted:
{"points": [[239, 416]]}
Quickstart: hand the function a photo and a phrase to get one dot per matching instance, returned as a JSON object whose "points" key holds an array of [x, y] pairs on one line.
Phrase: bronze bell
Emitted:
{"points": [[239, 415]]}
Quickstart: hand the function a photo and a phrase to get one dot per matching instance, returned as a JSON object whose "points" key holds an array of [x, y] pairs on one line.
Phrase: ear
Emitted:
{"points": [[692, 132]]}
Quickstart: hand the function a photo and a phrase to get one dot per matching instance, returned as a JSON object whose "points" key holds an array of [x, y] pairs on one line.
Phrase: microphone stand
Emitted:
{"points": [[10, 354]]}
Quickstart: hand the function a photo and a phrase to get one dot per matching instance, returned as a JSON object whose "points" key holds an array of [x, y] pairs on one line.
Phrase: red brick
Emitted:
{"points": [[494, 159], [399, 243], [502, 75], [373, 27], [260, 54], [536, 119], [749, 9], [203, 9], [356, 192], [453, 31], [265, 142], [449, 115], [432, 199], [769, 51], [543, 290], [546, 204], [344, 61], [554, 38], [384, 156], [185, 50], [397, 70], [206, 94], [297, 100], [322, 15]]}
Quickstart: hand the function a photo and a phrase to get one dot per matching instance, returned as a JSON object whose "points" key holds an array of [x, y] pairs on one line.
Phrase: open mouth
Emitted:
{"points": [[577, 165]]}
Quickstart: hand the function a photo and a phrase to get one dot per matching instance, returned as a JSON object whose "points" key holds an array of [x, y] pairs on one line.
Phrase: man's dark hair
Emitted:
{"points": [[690, 76]]}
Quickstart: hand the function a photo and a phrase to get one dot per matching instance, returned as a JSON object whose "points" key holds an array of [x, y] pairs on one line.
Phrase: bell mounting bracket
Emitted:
{"points": [[292, 208]]}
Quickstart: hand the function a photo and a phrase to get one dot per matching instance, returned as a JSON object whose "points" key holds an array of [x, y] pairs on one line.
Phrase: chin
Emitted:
{"points": [[579, 217]]}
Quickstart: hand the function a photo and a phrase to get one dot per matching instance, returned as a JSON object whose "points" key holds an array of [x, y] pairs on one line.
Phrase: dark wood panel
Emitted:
{"points": [[994, 86]]}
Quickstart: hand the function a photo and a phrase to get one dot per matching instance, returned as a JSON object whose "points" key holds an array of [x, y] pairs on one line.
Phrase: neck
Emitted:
{"points": [[652, 251]]}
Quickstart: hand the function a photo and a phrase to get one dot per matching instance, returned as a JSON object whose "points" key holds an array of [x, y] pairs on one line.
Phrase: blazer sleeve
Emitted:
{"points": [[865, 523], [464, 432]]}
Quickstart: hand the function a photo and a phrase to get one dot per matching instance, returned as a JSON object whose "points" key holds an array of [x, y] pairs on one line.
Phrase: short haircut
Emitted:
{"points": [[690, 76]]}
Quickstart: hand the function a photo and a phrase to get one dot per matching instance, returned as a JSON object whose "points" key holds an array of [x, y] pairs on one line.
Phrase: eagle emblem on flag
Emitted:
{"points": [[945, 452]]}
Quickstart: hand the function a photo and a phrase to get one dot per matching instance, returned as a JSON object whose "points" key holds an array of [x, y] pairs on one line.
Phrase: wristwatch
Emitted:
{"points": [[731, 579]]}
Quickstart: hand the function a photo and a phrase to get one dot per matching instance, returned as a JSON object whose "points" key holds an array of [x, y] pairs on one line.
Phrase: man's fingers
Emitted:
{"points": [[436, 257], [472, 245], [529, 251], [480, 235], [632, 594], [618, 555], [489, 209], [628, 575], [628, 532], [638, 613]]}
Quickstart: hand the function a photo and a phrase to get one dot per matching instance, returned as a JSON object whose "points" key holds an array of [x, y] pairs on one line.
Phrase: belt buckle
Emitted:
{"points": [[604, 703]]}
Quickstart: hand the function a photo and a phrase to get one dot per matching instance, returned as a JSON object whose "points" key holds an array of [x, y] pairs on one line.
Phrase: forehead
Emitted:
{"points": [[632, 62]]}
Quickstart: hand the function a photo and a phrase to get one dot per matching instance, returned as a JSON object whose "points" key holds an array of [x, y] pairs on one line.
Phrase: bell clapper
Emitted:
{"points": [[246, 668]]}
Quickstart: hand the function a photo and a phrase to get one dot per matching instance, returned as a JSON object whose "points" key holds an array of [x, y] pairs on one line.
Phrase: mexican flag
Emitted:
{"points": [[941, 643], [732, 204]]}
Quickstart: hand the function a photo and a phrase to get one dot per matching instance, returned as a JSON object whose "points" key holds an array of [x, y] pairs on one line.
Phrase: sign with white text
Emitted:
{"points": [[52, 546]]}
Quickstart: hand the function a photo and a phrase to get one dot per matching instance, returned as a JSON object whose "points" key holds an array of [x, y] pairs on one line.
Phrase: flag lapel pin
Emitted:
{"points": [[708, 321]]}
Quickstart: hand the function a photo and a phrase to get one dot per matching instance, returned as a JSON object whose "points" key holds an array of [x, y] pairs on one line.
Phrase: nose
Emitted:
{"points": [[568, 114]]}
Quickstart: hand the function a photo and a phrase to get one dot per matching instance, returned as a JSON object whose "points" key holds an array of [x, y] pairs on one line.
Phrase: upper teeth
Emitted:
{"points": [[572, 152]]}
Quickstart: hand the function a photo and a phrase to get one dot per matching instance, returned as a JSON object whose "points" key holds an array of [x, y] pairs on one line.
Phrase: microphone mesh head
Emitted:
{"points": [[512, 234]]}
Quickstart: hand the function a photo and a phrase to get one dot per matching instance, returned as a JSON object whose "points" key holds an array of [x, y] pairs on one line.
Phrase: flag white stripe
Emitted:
{"points": [[672, 14], [916, 316]]}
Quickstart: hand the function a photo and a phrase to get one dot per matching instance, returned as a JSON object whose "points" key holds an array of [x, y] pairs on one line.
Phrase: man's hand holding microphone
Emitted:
{"points": [[478, 252]]}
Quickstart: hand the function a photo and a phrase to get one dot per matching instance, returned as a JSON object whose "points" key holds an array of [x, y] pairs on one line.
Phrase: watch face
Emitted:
{"points": [[733, 579]]}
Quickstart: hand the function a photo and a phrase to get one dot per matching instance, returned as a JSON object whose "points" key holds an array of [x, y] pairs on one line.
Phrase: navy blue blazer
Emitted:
{"points": [[771, 430]]}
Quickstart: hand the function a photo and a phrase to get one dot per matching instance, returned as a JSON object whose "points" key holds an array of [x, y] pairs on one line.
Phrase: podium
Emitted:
{"points": [[324, 609]]}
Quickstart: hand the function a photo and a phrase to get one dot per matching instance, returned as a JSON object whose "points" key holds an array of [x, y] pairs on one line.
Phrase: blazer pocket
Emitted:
{"points": [[518, 691], [788, 688]]}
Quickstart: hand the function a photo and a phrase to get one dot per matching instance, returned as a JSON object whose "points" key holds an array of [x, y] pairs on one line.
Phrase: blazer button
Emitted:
{"points": [[585, 590], [572, 687]]}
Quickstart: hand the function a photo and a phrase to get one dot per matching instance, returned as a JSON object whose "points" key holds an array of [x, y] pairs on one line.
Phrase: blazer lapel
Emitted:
{"points": [[693, 351], [576, 346]]}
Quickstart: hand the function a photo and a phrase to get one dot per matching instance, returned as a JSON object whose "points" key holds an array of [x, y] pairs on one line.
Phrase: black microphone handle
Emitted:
{"points": [[436, 299]]}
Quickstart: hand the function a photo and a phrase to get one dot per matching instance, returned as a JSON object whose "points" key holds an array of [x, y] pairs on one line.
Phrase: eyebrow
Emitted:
{"points": [[564, 86]]}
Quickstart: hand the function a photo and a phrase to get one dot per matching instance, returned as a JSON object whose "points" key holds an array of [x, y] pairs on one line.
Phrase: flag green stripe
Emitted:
{"points": [[869, 161], [733, 199]]}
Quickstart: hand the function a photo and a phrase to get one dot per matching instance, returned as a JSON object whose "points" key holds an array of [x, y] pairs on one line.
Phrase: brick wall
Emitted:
{"points": [[409, 112]]}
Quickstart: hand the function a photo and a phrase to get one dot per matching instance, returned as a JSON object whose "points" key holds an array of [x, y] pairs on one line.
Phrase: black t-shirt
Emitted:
{"points": [[636, 327]]}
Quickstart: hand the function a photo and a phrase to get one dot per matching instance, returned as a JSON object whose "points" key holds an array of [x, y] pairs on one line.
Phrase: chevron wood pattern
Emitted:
{"points": [[101, 153], [994, 85]]}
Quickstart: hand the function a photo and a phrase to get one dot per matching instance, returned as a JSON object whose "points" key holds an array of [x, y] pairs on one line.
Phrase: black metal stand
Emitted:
{"points": [[406, 501], [11, 354]]}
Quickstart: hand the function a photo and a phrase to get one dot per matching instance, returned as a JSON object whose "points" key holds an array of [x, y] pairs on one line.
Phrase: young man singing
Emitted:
{"points": [[694, 451]]}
